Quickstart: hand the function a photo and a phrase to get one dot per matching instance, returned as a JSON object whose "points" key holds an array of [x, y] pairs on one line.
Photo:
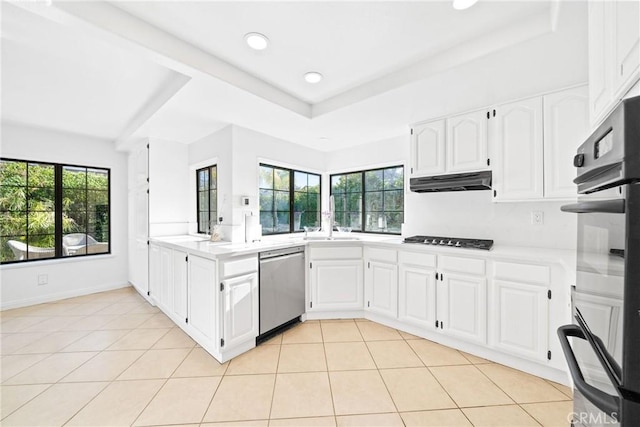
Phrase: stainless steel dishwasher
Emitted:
{"points": [[282, 289]]}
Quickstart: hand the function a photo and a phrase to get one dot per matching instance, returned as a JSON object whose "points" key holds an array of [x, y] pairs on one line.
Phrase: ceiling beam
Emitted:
{"points": [[168, 89]]}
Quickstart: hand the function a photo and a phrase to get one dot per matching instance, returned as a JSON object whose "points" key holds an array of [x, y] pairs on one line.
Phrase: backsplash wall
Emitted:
{"points": [[473, 214], [463, 214]]}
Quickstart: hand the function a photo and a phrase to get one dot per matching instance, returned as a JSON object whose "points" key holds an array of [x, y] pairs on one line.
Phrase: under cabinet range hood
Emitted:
{"points": [[454, 182]]}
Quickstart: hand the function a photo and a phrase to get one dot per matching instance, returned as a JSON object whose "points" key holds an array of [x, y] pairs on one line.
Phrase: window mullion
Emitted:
{"points": [[58, 209], [291, 198]]}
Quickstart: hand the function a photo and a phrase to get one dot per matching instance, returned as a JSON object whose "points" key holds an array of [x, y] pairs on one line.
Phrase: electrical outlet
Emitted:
{"points": [[43, 279], [537, 217]]}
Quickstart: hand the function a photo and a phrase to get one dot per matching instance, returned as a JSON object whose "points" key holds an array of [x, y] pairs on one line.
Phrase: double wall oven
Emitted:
{"points": [[602, 346]]}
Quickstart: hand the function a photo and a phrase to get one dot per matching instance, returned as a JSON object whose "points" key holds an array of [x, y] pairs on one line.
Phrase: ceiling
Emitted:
{"points": [[350, 43], [127, 71]]}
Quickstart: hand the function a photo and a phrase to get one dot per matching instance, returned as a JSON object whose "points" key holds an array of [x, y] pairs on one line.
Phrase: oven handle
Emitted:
{"points": [[596, 206], [606, 402]]}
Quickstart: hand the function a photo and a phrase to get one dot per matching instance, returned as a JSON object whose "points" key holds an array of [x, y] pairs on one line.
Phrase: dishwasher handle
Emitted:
{"points": [[279, 253], [280, 258]]}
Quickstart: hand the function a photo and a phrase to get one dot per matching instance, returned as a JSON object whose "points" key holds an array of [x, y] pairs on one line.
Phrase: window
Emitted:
{"points": [[289, 200], [371, 200], [52, 210], [207, 201]]}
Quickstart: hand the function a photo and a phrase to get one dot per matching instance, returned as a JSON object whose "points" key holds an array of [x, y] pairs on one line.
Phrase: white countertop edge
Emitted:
{"points": [[200, 245]]}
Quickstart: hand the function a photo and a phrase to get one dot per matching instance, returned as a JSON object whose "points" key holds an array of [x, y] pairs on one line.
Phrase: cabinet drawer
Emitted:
{"points": [[385, 255], [240, 266], [336, 252], [461, 265], [417, 259], [522, 272]]}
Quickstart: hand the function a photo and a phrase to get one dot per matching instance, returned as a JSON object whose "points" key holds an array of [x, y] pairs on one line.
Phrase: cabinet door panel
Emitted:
{"points": [[240, 305], [154, 272], [417, 296], [202, 287], [467, 142], [463, 303], [518, 150], [626, 39], [382, 288], [566, 126], [521, 319], [166, 277], [179, 295], [428, 148], [337, 285], [600, 78]]}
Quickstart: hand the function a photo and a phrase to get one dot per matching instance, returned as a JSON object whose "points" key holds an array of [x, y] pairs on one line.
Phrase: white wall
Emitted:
{"points": [[251, 148], [461, 214], [238, 151], [73, 276], [169, 205], [214, 149]]}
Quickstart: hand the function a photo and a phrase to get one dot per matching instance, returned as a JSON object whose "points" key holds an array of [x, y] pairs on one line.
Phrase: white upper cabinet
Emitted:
{"points": [[614, 54], [428, 148], [533, 144], [626, 40], [566, 126], [453, 145], [518, 150], [467, 142]]}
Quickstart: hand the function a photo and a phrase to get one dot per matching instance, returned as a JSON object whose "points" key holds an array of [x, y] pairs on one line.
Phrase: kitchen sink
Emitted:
{"points": [[328, 239]]}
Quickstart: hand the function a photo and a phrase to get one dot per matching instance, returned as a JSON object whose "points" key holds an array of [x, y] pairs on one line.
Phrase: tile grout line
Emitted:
{"points": [[326, 362], [380, 374], [437, 380], [206, 410], [275, 382], [16, 409], [108, 383]]}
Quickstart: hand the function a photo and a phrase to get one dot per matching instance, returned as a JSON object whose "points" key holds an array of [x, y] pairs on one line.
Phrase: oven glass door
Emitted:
{"points": [[599, 291]]}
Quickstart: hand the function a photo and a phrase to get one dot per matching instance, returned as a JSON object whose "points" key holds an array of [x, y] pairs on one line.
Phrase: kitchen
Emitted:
{"points": [[515, 80]]}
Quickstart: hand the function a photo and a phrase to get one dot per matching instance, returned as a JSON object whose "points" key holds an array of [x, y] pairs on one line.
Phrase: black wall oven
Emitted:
{"points": [[603, 353]]}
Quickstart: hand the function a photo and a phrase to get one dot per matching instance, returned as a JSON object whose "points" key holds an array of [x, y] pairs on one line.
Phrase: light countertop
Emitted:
{"points": [[200, 245]]}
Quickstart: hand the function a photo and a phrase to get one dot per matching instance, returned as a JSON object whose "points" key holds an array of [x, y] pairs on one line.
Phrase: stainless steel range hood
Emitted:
{"points": [[454, 182]]}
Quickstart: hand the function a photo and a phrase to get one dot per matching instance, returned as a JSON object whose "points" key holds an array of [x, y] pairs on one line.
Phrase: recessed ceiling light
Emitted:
{"points": [[256, 41], [313, 77], [463, 4]]}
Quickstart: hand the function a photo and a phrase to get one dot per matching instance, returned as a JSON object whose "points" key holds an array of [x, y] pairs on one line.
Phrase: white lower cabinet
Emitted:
{"points": [[336, 285], [520, 322], [216, 304], [335, 279], [381, 281], [240, 309], [521, 319], [155, 271], [201, 296], [462, 306], [180, 279], [417, 290]]}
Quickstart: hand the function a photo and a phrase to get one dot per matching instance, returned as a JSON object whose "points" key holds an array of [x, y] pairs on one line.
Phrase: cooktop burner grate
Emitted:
{"points": [[451, 242]]}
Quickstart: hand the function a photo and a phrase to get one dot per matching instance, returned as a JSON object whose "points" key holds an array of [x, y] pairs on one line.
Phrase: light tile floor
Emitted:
{"points": [[112, 359]]}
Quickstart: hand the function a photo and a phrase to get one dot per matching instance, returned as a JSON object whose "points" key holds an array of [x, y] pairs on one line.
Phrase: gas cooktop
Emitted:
{"points": [[451, 242]]}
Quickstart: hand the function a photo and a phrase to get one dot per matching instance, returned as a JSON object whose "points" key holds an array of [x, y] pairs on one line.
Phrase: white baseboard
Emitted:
{"points": [[41, 299]]}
